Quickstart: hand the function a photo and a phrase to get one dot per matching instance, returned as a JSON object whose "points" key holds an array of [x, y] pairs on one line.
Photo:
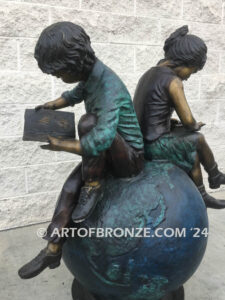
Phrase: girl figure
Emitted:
{"points": [[160, 92]]}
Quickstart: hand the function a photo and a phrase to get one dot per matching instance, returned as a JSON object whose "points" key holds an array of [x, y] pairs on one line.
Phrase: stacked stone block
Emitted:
{"points": [[127, 35]]}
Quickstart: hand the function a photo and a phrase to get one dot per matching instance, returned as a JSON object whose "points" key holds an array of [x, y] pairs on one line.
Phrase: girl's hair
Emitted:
{"points": [[64, 46], [183, 49]]}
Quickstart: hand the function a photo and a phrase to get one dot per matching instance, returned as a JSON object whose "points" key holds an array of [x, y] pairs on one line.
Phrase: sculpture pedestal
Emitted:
{"points": [[175, 295], [79, 293]]}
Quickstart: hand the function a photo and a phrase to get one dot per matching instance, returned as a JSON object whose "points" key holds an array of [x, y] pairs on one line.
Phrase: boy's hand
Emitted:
{"points": [[48, 105], [55, 104], [54, 144], [72, 146]]}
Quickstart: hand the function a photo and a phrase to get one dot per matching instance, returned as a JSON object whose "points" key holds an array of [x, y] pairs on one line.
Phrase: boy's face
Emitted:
{"points": [[67, 77]]}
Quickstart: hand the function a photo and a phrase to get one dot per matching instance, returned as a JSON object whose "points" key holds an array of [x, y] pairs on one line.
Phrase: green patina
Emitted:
{"points": [[152, 290], [140, 189], [106, 96], [114, 272], [177, 147], [163, 170], [132, 268]]}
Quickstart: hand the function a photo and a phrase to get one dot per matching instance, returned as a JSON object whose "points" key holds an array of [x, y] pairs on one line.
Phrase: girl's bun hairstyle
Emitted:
{"points": [[176, 35], [183, 49]]}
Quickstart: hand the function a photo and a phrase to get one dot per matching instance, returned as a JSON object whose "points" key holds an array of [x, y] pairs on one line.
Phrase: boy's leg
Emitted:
{"points": [[126, 162], [66, 203], [92, 174], [51, 255]]}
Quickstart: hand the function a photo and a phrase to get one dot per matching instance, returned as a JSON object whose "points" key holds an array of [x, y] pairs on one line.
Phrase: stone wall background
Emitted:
{"points": [[127, 35]]}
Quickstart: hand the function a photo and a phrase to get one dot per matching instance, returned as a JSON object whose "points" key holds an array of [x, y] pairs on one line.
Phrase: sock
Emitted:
{"points": [[92, 183], [201, 189], [53, 248], [213, 171]]}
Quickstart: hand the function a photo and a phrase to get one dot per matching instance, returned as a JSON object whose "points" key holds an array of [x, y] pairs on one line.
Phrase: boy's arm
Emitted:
{"points": [[74, 96], [55, 104], [72, 146], [94, 142], [102, 135], [68, 98], [182, 108]]}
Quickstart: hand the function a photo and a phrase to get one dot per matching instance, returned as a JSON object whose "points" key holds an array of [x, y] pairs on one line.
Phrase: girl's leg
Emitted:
{"points": [[196, 175], [206, 157]]}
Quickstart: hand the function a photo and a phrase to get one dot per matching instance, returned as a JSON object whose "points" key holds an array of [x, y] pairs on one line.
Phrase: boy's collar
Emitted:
{"points": [[93, 79]]}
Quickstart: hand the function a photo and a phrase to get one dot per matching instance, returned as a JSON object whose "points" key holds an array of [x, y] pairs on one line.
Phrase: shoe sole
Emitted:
{"points": [[214, 187], [55, 265]]}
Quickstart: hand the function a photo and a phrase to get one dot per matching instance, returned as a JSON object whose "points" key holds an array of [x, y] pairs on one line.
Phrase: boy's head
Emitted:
{"points": [[185, 51], [64, 50]]}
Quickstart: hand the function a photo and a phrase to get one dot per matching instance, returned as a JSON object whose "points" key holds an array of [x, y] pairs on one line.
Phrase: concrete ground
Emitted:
{"points": [[18, 246]]}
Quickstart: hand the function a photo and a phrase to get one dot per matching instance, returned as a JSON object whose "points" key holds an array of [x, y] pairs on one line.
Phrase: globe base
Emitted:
{"points": [[152, 268]]}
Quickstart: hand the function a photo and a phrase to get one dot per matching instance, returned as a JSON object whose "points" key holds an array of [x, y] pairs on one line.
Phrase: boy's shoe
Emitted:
{"points": [[43, 260], [216, 181], [210, 201], [86, 203]]}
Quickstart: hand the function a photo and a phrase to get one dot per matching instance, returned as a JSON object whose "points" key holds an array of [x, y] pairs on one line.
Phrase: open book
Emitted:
{"points": [[40, 124]]}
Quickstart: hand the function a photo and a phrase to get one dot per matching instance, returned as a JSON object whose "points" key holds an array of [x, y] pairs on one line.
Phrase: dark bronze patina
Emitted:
{"points": [[159, 93], [38, 126], [114, 185], [106, 143]]}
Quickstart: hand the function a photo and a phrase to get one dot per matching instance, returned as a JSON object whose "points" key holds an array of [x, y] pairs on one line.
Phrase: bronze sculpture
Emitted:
{"points": [[158, 94], [64, 50], [114, 186]]}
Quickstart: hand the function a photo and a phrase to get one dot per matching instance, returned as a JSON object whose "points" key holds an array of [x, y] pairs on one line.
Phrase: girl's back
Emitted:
{"points": [[152, 102]]}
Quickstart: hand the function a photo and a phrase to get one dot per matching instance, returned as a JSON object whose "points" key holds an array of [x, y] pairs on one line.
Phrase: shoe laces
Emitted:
{"points": [[85, 194]]}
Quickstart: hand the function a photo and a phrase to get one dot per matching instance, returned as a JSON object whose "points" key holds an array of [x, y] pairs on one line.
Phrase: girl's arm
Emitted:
{"points": [[182, 108]]}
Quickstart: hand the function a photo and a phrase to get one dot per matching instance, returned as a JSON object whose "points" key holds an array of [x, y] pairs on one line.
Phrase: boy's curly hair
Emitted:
{"points": [[183, 49], [64, 46]]}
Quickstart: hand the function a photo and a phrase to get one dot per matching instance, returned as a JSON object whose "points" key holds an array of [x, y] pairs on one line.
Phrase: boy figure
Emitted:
{"points": [[110, 136]]}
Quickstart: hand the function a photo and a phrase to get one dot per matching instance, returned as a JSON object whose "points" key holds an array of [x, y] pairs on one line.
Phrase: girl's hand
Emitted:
{"points": [[174, 123], [199, 125]]}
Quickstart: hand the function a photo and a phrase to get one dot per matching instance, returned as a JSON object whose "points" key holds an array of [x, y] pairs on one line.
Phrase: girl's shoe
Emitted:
{"points": [[211, 202]]}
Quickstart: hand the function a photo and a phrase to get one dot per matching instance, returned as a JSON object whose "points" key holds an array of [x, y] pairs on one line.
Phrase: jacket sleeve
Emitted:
{"points": [[75, 95], [102, 135]]}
